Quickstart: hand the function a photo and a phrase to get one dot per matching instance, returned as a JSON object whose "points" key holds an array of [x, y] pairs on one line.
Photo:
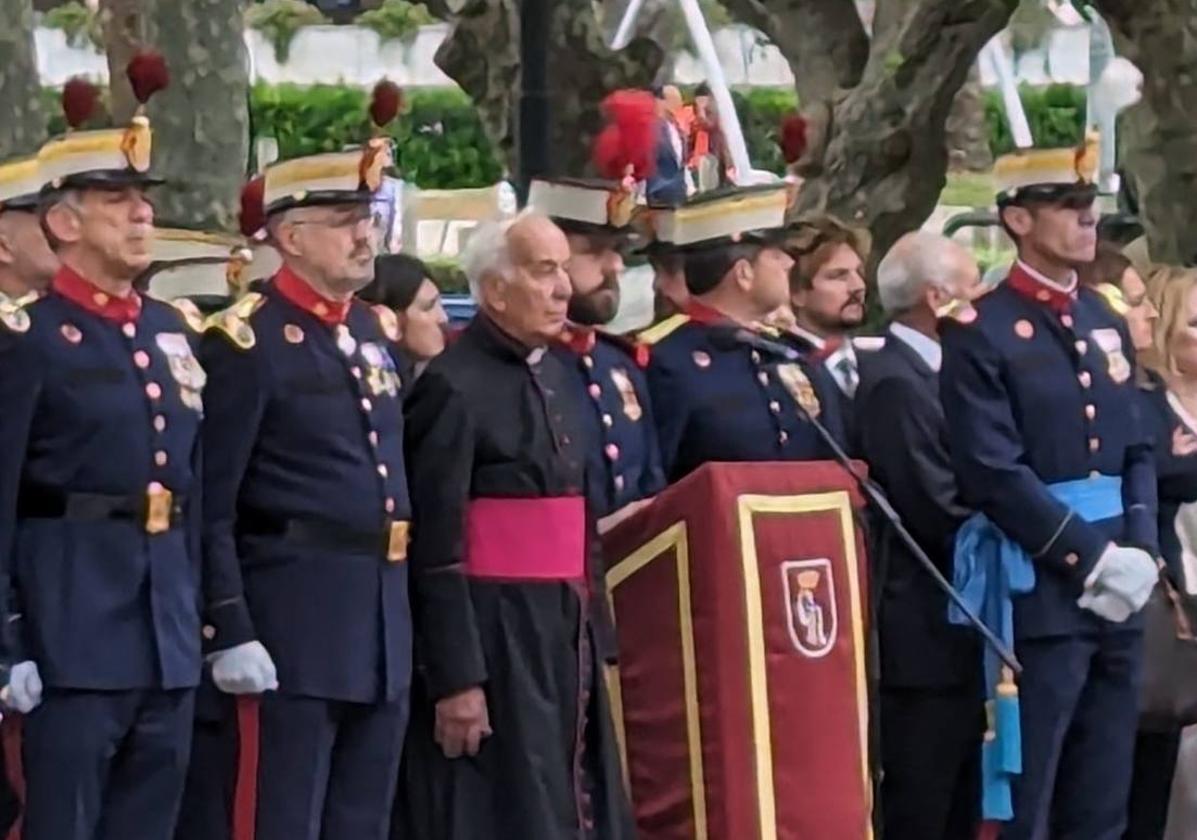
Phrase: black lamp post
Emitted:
{"points": [[532, 130]]}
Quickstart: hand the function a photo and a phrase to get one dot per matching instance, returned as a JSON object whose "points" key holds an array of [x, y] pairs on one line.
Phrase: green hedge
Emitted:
{"points": [[441, 143]]}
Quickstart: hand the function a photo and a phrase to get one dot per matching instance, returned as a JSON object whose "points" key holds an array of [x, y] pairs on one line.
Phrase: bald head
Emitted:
{"points": [[923, 268], [26, 261]]}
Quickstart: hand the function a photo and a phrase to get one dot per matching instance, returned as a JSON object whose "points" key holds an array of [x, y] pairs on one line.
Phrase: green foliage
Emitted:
{"points": [[80, 24], [448, 275], [279, 20], [396, 19], [1055, 113], [440, 143], [1030, 25]]}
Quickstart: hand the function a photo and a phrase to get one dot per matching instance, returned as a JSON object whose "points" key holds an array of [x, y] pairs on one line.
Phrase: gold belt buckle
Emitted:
{"points": [[159, 503], [397, 542]]}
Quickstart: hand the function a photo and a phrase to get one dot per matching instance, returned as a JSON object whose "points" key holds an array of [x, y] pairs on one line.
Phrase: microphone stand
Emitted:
{"points": [[877, 496]]}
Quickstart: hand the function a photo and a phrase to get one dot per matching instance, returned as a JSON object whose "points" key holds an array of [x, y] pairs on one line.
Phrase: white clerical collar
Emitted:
{"points": [[1068, 288], [929, 349]]}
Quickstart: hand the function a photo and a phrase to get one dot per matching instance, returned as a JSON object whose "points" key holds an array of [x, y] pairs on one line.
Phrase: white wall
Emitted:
{"points": [[356, 55]]}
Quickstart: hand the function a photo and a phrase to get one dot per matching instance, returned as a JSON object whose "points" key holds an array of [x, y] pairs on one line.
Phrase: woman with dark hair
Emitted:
{"points": [[410, 305]]}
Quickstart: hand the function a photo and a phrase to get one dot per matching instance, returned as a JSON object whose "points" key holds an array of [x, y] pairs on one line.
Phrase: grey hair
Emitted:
{"points": [[488, 252], [915, 262]]}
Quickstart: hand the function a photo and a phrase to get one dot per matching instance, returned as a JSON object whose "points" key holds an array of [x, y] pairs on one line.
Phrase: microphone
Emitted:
{"points": [[731, 337]]}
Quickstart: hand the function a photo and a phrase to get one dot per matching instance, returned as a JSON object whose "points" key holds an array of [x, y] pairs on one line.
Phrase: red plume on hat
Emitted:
{"points": [[793, 139], [629, 138], [148, 74], [385, 102], [253, 206], [79, 100]]}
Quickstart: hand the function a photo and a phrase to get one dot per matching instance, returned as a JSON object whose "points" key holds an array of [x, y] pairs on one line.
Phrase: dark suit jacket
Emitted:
{"points": [[902, 435], [667, 185]]}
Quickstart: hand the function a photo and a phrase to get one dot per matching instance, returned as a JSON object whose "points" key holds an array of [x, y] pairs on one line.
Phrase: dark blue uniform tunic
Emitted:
{"points": [[719, 399], [624, 461], [306, 492], [100, 575], [1038, 390]]}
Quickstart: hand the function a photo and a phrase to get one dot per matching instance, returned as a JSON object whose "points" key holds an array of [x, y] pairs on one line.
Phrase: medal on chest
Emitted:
{"points": [[346, 343], [795, 380], [184, 368], [381, 376], [1110, 342], [627, 393]]}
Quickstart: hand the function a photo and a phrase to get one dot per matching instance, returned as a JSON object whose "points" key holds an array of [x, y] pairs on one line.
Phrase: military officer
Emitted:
{"points": [[26, 262], [102, 581], [26, 267], [1046, 443], [725, 388], [624, 463], [306, 492]]}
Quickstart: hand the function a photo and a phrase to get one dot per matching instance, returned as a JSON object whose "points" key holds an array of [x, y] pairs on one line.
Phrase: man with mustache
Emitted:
{"points": [[104, 589], [827, 295], [306, 493], [624, 463], [1039, 394], [724, 385], [511, 731]]}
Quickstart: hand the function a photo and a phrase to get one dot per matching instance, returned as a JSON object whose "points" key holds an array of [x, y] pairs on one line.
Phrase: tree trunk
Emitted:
{"points": [[482, 55], [23, 127], [886, 157], [123, 24], [201, 122], [823, 41], [1158, 137], [968, 132]]}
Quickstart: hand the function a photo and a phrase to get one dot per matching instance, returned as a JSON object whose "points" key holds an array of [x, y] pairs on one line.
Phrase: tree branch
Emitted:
{"points": [[1158, 137], [886, 158], [23, 128], [823, 41]]}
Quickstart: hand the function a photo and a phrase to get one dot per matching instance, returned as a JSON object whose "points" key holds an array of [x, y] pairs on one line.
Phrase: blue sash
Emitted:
{"points": [[989, 570]]}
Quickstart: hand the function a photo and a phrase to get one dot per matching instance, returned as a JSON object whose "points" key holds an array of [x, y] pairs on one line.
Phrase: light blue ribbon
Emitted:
{"points": [[989, 570]]}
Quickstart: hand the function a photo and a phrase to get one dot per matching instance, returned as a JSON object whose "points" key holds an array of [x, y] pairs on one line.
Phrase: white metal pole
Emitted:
{"points": [[627, 25], [729, 120], [999, 61]]}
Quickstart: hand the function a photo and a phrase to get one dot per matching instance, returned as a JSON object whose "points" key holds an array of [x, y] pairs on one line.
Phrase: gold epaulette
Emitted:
{"points": [[388, 320], [190, 312], [12, 311], [234, 321], [656, 332], [960, 311]]}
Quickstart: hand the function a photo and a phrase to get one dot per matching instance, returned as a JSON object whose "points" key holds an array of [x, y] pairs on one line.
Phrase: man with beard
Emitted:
{"points": [[827, 294], [103, 589], [305, 491], [511, 732], [724, 385], [624, 463], [1046, 442]]}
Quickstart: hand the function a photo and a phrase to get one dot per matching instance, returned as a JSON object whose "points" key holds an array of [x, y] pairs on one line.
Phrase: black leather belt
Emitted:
{"points": [[389, 541], [156, 510]]}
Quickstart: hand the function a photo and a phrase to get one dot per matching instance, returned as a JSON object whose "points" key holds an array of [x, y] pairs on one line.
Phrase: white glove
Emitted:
{"points": [[244, 669], [1120, 583], [24, 690]]}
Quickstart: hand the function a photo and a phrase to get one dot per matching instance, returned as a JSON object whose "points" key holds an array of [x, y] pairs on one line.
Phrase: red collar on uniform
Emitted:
{"points": [[72, 286], [1031, 286], [295, 289], [578, 339], [700, 313]]}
